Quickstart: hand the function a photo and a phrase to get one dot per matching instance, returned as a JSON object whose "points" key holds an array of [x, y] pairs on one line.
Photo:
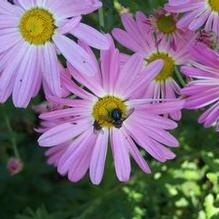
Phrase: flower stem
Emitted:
{"points": [[179, 76], [13, 139], [101, 18]]}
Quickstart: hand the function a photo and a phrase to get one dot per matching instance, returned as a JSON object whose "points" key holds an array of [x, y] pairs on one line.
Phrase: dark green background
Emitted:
{"points": [[185, 188]]}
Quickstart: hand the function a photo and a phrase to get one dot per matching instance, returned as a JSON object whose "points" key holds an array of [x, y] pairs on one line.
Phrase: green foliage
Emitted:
{"points": [[41, 213], [147, 6], [185, 188]]}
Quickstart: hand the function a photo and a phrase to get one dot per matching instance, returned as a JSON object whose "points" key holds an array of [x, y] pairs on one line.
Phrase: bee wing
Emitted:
{"points": [[130, 111], [98, 131]]}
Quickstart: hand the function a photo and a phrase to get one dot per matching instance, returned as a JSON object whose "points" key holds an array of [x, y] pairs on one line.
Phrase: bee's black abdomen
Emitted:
{"points": [[118, 124]]}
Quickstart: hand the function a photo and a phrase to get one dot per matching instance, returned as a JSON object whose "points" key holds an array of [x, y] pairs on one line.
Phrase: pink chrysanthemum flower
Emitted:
{"points": [[204, 90], [105, 112], [197, 14], [163, 24], [35, 32], [138, 38]]}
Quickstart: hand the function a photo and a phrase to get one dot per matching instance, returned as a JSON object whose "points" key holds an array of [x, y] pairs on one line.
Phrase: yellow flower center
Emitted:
{"points": [[37, 26], [102, 110], [168, 67], [166, 24], [214, 4]]}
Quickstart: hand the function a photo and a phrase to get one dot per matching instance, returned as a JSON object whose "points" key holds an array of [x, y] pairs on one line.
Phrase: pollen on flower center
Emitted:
{"points": [[103, 108], [37, 26], [166, 24], [214, 4], [168, 67]]}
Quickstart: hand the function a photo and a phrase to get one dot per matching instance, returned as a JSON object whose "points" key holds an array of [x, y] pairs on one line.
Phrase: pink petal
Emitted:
{"points": [[77, 56], [60, 134], [51, 70], [26, 73], [137, 155], [98, 157], [91, 36], [120, 154]]}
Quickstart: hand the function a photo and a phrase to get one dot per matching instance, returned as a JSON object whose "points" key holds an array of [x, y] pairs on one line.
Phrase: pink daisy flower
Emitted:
{"points": [[35, 31], [204, 90], [163, 24], [104, 113], [138, 38], [197, 14]]}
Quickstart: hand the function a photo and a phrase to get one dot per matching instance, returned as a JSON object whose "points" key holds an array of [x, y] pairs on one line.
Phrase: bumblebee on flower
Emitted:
{"points": [[107, 112]]}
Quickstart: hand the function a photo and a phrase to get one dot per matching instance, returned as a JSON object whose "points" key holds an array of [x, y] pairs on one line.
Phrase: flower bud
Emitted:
{"points": [[14, 166]]}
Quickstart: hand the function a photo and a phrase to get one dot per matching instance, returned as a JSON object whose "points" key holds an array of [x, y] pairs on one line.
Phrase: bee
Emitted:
{"points": [[115, 117], [118, 119]]}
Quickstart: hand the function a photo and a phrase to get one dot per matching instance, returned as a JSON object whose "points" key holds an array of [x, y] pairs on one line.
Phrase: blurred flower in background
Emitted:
{"points": [[210, 39], [203, 91], [196, 14], [14, 166], [163, 24]]}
